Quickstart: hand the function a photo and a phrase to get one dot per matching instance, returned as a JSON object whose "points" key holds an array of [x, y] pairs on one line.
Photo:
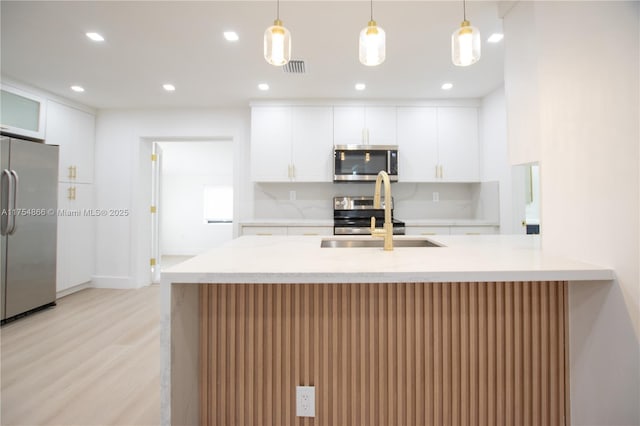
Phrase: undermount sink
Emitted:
{"points": [[363, 243]]}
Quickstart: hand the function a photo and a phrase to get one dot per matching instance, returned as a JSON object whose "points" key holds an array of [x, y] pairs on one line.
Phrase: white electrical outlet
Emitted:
{"points": [[292, 195], [436, 197], [305, 401]]}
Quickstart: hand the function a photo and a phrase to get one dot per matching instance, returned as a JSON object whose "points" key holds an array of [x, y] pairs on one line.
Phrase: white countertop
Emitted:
{"points": [[329, 222], [450, 222], [287, 222], [299, 259]]}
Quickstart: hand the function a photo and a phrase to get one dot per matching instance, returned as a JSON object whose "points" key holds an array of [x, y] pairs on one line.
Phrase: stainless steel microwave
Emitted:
{"points": [[362, 163]]}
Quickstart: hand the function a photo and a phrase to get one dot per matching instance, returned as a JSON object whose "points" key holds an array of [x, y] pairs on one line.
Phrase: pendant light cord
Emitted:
{"points": [[371, 11], [464, 10], [278, 9]]}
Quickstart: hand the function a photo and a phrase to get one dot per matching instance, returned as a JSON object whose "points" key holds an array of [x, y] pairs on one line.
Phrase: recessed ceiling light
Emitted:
{"points": [[263, 86], [447, 86], [95, 36], [169, 87], [361, 86], [231, 36], [495, 37], [77, 89]]}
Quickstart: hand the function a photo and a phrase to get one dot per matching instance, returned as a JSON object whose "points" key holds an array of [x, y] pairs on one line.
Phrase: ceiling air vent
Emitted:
{"points": [[294, 66]]}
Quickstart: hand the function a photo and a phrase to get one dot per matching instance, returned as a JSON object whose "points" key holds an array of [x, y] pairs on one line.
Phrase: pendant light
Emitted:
{"points": [[372, 43], [465, 42], [277, 42]]}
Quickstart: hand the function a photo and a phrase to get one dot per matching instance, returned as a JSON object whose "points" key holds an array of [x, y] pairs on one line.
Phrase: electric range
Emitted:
{"points": [[352, 216]]}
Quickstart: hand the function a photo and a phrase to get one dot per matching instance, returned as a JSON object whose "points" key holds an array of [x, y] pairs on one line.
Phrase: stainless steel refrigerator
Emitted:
{"points": [[28, 225]]}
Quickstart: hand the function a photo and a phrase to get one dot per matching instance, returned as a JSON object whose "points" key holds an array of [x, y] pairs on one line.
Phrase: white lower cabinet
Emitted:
{"points": [[474, 230], [264, 230], [310, 230], [286, 230], [76, 239], [452, 230], [427, 230]]}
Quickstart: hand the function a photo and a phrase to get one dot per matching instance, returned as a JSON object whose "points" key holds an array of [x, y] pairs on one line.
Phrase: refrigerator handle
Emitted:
{"points": [[16, 181], [6, 215]]}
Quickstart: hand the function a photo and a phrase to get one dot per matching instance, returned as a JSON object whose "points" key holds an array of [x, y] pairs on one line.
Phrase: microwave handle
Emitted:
{"points": [[388, 161]]}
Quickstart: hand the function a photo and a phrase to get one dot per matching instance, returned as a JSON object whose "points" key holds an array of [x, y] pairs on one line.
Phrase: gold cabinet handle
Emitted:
{"points": [[73, 172]]}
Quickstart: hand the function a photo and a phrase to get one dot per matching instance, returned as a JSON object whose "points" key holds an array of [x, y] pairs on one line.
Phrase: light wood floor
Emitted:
{"points": [[92, 360]]}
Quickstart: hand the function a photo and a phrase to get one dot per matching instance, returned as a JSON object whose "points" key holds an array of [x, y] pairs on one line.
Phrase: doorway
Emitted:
{"points": [[526, 198], [192, 199]]}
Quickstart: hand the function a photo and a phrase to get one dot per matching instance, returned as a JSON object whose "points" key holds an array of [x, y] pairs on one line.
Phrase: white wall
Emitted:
{"points": [[589, 104], [123, 247], [494, 158], [522, 53], [187, 168]]}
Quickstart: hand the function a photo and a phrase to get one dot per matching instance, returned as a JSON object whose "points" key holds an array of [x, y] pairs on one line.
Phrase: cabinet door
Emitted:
{"points": [[349, 125], [427, 230], [417, 144], [74, 131], [23, 114], [458, 144], [75, 235], [64, 230], [310, 230], [312, 146], [474, 230], [271, 144], [264, 230], [380, 123]]}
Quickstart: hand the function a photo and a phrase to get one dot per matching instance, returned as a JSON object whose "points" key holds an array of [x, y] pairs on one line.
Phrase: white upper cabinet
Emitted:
{"points": [[381, 125], [312, 150], [363, 125], [22, 113], [74, 130], [458, 144], [294, 143], [291, 144], [417, 144], [438, 144], [271, 144]]}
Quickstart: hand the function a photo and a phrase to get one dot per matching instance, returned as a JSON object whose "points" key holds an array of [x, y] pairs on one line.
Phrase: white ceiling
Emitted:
{"points": [[149, 43]]}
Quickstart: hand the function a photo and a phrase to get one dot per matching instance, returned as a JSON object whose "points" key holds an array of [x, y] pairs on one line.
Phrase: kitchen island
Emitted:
{"points": [[473, 332]]}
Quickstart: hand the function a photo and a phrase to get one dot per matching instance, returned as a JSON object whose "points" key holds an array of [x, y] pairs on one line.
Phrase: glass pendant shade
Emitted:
{"points": [[372, 45], [277, 44], [465, 45]]}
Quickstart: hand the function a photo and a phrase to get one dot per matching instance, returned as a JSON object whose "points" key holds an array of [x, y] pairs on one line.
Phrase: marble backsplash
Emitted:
{"points": [[413, 201]]}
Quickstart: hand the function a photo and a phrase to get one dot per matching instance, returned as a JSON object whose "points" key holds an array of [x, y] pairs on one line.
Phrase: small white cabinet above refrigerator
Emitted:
{"points": [[21, 113]]}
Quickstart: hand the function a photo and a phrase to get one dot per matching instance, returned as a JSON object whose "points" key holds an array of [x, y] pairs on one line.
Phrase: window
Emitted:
{"points": [[218, 204]]}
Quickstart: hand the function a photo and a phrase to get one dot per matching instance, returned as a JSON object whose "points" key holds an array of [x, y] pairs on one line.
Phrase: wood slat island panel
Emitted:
{"points": [[384, 354]]}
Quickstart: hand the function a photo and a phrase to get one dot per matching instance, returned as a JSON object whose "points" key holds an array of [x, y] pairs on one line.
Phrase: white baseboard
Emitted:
{"points": [[105, 281], [67, 291]]}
